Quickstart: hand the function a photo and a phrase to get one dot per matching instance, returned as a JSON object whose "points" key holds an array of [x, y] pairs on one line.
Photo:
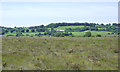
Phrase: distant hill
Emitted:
{"points": [[52, 29]]}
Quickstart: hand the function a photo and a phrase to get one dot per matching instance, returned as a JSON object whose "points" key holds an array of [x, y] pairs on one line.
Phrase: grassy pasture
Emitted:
{"points": [[9, 34], [94, 33], [64, 27], [33, 33], [30, 33], [67, 53]]}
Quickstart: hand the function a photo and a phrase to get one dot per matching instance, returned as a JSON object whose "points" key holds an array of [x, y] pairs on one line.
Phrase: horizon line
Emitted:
{"points": [[56, 22]]}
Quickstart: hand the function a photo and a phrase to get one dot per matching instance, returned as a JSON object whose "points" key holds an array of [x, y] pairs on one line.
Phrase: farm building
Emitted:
{"points": [[60, 30]]}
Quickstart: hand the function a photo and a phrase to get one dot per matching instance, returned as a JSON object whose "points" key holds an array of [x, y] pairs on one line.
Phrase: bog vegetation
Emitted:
{"points": [[63, 53]]}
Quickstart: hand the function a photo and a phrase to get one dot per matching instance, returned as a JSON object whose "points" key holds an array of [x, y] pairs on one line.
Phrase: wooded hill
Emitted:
{"points": [[64, 29]]}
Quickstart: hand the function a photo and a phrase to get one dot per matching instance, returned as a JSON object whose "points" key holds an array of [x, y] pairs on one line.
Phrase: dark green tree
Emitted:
{"points": [[27, 30]]}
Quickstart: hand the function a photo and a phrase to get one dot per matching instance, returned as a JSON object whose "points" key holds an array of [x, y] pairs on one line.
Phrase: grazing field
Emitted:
{"points": [[94, 33], [60, 53], [72, 27], [29, 33]]}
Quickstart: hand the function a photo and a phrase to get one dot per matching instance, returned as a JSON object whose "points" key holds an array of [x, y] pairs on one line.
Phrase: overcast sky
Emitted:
{"points": [[37, 13]]}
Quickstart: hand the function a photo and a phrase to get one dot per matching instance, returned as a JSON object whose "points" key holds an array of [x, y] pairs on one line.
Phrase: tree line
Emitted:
{"points": [[49, 29]]}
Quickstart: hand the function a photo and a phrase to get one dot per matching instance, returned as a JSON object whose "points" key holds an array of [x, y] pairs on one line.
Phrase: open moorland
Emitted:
{"points": [[60, 53]]}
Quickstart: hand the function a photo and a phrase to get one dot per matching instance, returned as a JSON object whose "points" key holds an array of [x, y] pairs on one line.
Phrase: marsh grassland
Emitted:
{"points": [[60, 53]]}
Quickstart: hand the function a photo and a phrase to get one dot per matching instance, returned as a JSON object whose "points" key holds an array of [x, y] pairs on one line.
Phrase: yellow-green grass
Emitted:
{"points": [[100, 32], [30, 33], [33, 33], [94, 33], [63, 53], [101, 28], [9, 33], [64, 27]]}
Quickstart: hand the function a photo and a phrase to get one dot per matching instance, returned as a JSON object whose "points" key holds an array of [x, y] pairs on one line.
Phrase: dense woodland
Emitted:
{"points": [[50, 29]]}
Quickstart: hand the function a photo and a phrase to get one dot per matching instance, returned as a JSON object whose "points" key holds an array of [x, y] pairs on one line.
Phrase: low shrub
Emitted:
{"points": [[19, 34], [27, 34], [87, 34], [61, 36], [10, 35], [98, 35]]}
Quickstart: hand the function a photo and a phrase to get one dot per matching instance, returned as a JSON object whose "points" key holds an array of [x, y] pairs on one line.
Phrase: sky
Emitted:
{"points": [[25, 14]]}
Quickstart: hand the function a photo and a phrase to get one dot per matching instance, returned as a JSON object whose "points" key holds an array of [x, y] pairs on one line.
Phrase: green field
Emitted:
{"points": [[9, 34], [63, 53], [30, 33], [94, 33], [64, 27], [33, 33]]}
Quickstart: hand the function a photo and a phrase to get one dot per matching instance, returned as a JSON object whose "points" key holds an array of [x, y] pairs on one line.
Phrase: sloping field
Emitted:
{"points": [[72, 27]]}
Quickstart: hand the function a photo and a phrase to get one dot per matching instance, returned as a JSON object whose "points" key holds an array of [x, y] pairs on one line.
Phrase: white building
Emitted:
{"points": [[60, 30]]}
